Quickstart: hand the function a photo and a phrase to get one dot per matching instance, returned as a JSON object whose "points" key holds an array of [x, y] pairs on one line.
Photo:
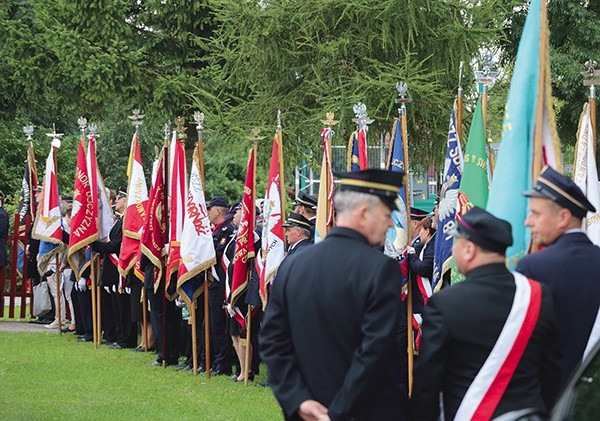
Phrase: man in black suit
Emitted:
{"points": [[306, 205], [569, 264], [329, 336], [222, 351], [490, 343], [122, 332], [297, 233]]}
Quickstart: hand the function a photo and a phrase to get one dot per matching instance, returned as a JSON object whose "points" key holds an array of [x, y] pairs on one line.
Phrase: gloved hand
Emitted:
{"points": [[410, 250], [107, 289], [230, 310], [127, 290], [81, 284]]}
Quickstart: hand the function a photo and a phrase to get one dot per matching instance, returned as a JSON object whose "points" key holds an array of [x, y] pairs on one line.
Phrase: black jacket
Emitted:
{"points": [[299, 246], [110, 273], [330, 330], [571, 269], [461, 324]]}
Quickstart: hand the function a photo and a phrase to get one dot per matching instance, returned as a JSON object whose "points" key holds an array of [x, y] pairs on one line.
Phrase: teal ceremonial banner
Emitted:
{"points": [[529, 138]]}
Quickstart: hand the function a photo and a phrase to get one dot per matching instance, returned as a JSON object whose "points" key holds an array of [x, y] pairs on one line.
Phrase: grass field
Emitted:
{"points": [[44, 376]]}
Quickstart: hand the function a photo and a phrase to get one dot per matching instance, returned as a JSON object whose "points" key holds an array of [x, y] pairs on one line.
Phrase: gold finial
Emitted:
{"points": [[329, 119], [180, 128], [254, 135]]}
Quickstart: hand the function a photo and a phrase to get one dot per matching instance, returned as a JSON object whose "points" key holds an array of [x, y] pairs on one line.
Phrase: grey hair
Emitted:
{"points": [[305, 232], [347, 201]]}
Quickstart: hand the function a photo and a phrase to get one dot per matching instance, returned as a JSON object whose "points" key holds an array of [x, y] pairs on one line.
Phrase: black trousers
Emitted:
{"points": [[107, 311], [126, 329], [222, 352], [83, 312], [166, 324]]}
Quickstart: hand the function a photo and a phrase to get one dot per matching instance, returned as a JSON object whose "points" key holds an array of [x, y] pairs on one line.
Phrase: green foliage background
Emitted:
{"points": [[239, 61]]}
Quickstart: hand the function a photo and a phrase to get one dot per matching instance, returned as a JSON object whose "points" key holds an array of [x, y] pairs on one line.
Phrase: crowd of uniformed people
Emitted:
{"points": [[334, 334]]}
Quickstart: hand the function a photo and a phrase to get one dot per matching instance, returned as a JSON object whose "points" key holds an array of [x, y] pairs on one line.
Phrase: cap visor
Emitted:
{"points": [[535, 193]]}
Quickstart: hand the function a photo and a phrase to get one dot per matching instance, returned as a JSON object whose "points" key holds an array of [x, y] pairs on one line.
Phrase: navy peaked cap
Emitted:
{"points": [[555, 186], [484, 229]]}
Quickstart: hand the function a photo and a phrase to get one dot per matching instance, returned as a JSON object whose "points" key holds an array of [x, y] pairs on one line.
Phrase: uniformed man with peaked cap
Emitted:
{"points": [[297, 233], [490, 343], [569, 264], [329, 336], [306, 205], [221, 347]]}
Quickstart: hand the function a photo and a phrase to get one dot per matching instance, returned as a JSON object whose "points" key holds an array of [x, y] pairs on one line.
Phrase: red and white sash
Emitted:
{"points": [[424, 284], [489, 385]]}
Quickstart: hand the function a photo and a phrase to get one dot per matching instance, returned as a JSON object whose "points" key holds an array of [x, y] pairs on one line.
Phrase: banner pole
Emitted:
{"points": [[206, 327]]}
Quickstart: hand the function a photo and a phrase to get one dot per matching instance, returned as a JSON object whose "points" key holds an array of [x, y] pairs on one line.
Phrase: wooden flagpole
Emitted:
{"points": [[144, 320], [199, 150], [591, 79], [94, 292], [199, 117], [248, 341], [99, 304], [166, 210], [402, 88], [206, 327], [56, 262], [459, 104], [484, 78]]}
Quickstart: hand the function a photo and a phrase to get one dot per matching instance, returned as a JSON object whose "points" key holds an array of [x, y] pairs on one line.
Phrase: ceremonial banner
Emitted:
{"points": [[84, 216], [197, 248], [27, 202], [585, 174], [325, 210], [474, 186], [398, 236], [177, 205], [154, 234], [529, 138], [244, 242], [273, 244], [355, 157], [135, 211], [48, 225], [453, 168], [100, 203]]}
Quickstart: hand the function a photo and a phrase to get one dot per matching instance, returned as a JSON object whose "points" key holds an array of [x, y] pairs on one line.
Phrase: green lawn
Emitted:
{"points": [[44, 376], [17, 314]]}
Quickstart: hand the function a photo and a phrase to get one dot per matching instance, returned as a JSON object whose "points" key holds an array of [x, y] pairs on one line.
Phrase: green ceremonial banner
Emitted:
{"points": [[474, 186]]}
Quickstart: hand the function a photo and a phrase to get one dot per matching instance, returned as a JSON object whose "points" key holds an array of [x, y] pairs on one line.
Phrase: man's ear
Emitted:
{"points": [[564, 218]]}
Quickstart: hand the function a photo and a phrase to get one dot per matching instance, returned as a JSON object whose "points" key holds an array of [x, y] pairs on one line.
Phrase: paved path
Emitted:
{"points": [[11, 326]]}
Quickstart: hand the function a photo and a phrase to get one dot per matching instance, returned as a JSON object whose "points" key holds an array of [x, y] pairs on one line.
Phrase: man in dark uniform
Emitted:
{"points": [[297, 233], [570, 263], [416, 216], [221, 347], [490, 343], [329, 336], [306, 205], [125, 332]]}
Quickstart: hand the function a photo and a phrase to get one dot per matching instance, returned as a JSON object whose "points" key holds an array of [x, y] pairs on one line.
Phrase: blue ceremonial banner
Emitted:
{"points": [[397, 237], [353, 154], [529, 138], [453, 168]]}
